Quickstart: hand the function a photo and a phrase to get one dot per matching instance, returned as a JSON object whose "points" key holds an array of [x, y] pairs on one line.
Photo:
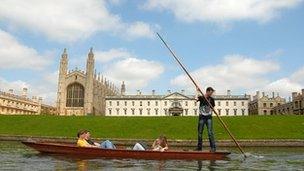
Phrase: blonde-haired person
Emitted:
{"points": [[160, 144]]}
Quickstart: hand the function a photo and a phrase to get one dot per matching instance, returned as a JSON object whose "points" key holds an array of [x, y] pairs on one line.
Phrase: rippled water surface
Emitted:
{"points": [[15, 156]]}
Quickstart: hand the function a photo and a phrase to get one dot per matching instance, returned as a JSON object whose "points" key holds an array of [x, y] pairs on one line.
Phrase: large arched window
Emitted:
{"points": [[75, 95]]}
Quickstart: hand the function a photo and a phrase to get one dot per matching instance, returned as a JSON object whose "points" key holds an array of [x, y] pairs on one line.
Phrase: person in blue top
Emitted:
{"points": [[205, 118]]}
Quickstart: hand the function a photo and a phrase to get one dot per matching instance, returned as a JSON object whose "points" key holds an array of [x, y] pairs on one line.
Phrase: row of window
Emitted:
{"points": [[298, 104], [13, 111], [118, 103], [133, 111], [234, 103], [156, 111], [283, 111], [17, 104], [235, 111], [270, 104], [140, 103], [264, 105]]}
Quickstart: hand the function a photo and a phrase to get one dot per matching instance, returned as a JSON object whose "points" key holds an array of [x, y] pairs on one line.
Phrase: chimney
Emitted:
{"points": [[123, 88], [183, 91], [249, 97], [34, 98], [153, 92], [169, 91], [40, 100], [272, 94], [263, 94], [294, 94], [11, 91], [257, 94], [138, 92], [228, 92], [24, 92], [302, 91]]}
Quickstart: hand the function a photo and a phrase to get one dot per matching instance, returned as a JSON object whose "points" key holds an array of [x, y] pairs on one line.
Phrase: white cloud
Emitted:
{"points": [[276, 53], [238, 72], [45, 86], [16, 55], [43, 89], [137, 73], [287, 85], [234, 73], [220, 11], [284, 86], [140, 29], [298, 76], [116, 2], [51, 78], [16, 85], [106, 56], [69, 20]]}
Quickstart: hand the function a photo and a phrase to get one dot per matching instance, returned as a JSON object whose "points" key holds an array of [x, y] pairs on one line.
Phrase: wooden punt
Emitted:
{"points": [[89, 152]]}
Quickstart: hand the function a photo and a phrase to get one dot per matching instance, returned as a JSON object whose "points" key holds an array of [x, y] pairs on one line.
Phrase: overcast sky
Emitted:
{"points": [[244, 46]]}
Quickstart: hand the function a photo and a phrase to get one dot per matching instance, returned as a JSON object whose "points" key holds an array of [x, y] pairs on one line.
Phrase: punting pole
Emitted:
{"points": [[198, 88]]}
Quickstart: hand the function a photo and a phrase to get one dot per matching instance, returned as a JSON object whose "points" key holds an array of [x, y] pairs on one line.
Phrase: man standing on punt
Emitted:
{"points": [[205, 118]]}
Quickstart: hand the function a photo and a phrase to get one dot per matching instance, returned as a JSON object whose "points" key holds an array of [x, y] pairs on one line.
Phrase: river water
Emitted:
{"points": [[15, 156]]}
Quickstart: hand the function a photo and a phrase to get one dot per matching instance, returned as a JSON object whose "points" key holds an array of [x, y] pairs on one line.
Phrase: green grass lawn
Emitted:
{"points": [[249, 127]]}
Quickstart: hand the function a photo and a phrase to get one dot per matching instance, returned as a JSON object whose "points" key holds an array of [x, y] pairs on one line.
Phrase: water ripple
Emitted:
{"points": [[15, 156]]}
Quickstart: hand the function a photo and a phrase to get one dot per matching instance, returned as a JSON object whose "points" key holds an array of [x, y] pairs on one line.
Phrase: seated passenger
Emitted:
{"points": [[105, 145], [81, 142], [140, 147], [89, 140], [160, 144]]}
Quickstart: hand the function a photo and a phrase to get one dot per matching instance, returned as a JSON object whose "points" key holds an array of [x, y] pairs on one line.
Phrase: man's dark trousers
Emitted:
{"points": [[205, 120]]}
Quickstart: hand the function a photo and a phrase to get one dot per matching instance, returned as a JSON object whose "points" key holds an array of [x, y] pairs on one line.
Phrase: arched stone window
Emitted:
{"points": [[75, 95]]}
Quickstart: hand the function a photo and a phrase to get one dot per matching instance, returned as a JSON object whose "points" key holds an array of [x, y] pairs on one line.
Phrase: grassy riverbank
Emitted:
{"points": [[250, 127]]}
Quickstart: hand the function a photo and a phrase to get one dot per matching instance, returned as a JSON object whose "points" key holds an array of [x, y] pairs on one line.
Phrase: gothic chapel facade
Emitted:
{"points": [[82, 92]]}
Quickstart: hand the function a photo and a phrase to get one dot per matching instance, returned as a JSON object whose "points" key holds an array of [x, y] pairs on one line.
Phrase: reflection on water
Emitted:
{"points": [[15, 156], [82, 165]]}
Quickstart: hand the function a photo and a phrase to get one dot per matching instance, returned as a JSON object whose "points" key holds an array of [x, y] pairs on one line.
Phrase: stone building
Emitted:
{"points": [[48, 110], [294, 106], [298, 102], [11, 103], [172, 104], [284, 109], [82, 92], [263, 105]]}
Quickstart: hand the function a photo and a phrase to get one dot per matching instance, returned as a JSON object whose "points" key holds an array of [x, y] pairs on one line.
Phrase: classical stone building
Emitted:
{"points": [[172, 104], [82, 92], [11, 103], [263, 105], [294, 106]]}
